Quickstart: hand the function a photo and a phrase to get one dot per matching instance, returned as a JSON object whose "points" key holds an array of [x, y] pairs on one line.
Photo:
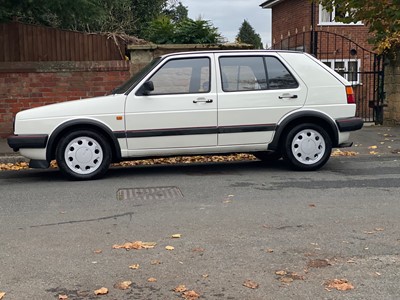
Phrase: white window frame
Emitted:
{"points": [[346, 68], [322, 10]]}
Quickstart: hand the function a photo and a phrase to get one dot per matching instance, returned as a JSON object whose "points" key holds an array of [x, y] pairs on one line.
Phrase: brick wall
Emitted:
{"points": [[392, 89], [295, 16], [31, 84], [289, 17]]}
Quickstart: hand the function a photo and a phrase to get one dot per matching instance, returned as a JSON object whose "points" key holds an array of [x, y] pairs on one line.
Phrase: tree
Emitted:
{"points": [[174, 26], [67, 14], [128, 16], [248, 35], [177, 12], [382, 17]]}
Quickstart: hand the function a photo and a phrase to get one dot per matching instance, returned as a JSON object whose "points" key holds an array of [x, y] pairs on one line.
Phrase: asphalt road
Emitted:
{"points": [[288, 232]]}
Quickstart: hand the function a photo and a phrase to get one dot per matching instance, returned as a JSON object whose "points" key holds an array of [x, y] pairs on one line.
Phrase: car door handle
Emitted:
{"points": [[288, 96], [203, 100]]}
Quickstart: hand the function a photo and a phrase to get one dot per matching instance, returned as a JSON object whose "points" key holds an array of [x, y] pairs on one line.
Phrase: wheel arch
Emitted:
{"points": [[295, 119], [84, 124]]}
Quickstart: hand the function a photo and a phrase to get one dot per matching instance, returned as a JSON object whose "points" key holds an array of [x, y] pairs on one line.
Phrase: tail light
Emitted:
{"points": [[350, 95]]}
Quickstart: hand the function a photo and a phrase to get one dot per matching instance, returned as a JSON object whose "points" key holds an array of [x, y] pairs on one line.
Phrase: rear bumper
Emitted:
{"points": [[349, 124], [36, 141]]}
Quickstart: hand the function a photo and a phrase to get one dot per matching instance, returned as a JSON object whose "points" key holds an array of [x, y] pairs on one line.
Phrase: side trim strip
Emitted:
{"points": [[195, 131]]}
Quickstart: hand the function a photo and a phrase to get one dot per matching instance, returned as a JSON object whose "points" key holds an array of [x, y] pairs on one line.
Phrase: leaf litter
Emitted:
{"points": [[135, 245], [338, 284]]}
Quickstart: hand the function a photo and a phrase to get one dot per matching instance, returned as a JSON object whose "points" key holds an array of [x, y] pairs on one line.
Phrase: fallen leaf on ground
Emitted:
{"points": [[170, 248], [339, 284], [124, 285], [155, 262], [372, 147], [135, 245], [60, 297], [281, 272], [198, 249], [311, 205], [2, 295], [97, 251], [339, 152], [177, 236], [152, 279], [134, 266], [269, 250], [379, 229], [205, 275], [190, 295], [288, 277], [101, 291], [318, 263], [373, 152], [251, 284], [180, 288]]}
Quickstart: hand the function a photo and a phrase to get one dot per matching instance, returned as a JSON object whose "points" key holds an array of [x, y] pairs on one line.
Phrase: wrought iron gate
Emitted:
{"points": [[362, 68]]}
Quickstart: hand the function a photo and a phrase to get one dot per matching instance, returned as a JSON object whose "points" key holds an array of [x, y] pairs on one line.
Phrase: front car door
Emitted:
{"points": [[256, 90], [181, 111]]}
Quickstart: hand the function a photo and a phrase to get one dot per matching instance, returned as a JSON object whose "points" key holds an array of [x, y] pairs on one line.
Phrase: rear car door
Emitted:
{"points": [[255, 91]]}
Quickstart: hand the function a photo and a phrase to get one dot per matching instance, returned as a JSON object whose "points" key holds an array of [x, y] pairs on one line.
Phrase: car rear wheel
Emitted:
{"points": [[307, 147], [83, 155]]}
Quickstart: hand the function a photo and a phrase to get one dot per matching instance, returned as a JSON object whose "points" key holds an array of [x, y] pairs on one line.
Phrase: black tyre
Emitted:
{"points": [[307, 147], [83, 155]]}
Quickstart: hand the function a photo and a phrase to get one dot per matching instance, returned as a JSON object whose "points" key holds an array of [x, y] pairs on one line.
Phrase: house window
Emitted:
{"points": [[328, 17], [347, 68]]}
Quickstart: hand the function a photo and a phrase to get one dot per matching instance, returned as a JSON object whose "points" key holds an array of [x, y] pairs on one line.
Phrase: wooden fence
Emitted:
{"points": [[23, 42]]}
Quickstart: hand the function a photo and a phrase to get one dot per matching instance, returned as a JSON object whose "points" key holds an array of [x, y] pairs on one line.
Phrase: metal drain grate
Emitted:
{"points": [[150, 193]]}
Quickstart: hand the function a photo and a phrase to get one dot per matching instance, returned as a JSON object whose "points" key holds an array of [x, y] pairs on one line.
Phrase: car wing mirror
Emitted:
{"points": [[148, 87]]}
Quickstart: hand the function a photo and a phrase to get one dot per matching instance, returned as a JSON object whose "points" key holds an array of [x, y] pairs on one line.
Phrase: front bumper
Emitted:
{"points": [[349, 124], [32, 141]]}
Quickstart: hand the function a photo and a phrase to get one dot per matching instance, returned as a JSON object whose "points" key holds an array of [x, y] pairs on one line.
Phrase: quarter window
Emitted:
{"points": [[182, 76], [278, 76]]}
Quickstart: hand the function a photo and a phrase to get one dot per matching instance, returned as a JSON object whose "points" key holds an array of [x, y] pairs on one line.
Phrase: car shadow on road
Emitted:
{"points": [[190, 169]]}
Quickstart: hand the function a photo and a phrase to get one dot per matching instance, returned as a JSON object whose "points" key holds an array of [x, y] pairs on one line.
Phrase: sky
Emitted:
{"points": [[228, 16]]}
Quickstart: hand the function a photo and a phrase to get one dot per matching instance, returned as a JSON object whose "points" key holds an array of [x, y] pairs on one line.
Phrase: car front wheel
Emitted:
{"points": [[83, 155], [307, 147]]}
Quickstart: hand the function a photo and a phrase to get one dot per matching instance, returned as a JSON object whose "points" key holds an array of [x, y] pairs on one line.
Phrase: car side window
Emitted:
{"points": [[242, 73], [182, 76], [278, 76]]}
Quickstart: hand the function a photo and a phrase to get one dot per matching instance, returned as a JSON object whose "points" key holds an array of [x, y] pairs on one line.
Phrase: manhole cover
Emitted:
{"points": [[149, 193]]}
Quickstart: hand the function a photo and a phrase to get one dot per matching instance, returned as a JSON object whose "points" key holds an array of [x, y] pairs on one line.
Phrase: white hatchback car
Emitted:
{"points": [[270, 103]]}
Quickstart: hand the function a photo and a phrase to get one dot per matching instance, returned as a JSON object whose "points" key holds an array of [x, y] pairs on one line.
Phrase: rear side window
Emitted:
{"points": [[278, 76], [254, 73], [242, 74]]}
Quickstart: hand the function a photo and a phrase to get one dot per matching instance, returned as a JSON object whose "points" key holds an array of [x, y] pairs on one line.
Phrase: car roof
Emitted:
{"points": [[230, 52]]}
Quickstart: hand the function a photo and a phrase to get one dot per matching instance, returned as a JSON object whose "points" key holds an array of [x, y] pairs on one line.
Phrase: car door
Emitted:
{"points": [[255, 91], [181, 111]]}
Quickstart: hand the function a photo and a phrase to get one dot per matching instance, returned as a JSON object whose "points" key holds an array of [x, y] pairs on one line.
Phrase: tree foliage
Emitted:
{"points": [[128, 16], [68, 14], [248, 35], [382, 17], [160, 21], [174, 26]]}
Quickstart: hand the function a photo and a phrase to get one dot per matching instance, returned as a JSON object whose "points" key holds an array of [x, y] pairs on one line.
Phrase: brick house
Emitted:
{"points": [[306, 26]]}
